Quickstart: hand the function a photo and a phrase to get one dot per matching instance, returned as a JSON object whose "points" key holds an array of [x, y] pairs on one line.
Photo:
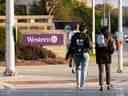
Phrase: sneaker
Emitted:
{"points": [[81, 88], [101, 88], [73, 71], [77, 86], [70, 65], [109, 87]]}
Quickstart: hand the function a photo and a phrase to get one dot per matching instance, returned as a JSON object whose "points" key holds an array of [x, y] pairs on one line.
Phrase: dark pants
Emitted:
{"points": [[101, 73]]}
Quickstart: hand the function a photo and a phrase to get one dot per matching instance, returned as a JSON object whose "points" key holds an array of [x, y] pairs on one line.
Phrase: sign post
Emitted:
{"points": [[120, 39], [93, 25], [10, 46]]}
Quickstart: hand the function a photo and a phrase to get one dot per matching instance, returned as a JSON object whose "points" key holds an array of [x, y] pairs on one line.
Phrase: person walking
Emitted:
{"points": [[104, 50], [70, 33], [79, 48]]}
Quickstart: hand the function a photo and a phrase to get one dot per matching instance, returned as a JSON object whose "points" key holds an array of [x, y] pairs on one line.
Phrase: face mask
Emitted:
{"points": [[85, 30], [67, 29]]}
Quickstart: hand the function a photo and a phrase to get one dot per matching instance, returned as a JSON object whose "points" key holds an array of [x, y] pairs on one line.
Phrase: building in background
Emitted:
{"points": [[23, 6], [25, 2]]}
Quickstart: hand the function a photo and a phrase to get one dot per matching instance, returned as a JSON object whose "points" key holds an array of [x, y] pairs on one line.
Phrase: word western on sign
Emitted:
{"points": [[43, 39]]}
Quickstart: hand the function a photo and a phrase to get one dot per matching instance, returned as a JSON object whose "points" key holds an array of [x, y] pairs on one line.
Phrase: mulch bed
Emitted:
{"points": [[48, 61]]}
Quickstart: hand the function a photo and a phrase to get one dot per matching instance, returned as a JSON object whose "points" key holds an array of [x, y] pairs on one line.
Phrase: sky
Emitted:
{"points": [[113, 2]]}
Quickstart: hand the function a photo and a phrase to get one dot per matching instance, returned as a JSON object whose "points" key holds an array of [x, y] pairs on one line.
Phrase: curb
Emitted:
{"points": [[20, 82], [6, 85]]}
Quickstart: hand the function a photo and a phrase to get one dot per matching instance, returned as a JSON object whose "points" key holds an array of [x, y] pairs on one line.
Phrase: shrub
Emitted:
{"points": [[2, 43], [51, 54], [2, 55], [18, 38], [41, 52], [25, 52], [30, 52]]}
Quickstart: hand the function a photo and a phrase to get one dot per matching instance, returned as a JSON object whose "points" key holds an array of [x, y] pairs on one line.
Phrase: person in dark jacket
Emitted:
{"points": [[78, 49], [103, 58]]}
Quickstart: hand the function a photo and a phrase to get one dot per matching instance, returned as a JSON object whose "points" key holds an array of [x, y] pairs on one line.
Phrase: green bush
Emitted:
{"points": [[30, 52], [2, 43], [51, 54], [2, 55], [18, 37]]}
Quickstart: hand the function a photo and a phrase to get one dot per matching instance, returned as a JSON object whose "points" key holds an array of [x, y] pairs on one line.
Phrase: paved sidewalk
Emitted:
{"points": [[57, 76]]}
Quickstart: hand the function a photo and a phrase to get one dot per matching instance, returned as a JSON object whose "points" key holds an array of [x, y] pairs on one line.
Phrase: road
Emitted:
{"points": [[63, 92], [46, 77]]}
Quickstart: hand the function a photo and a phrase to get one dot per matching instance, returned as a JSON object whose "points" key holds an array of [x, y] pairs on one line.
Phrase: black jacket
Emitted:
{"points": [[103, 54]]}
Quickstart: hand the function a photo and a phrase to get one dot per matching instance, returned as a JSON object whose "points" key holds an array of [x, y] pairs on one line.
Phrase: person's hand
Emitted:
{"points": [[66, 57], [70, 65], [70, 62]]}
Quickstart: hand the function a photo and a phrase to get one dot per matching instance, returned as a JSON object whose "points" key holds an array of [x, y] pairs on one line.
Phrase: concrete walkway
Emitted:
{"points": [[57, 76]]}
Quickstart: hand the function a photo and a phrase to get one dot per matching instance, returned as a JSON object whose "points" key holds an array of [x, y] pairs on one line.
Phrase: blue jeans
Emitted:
{"points": [[81, 70]]}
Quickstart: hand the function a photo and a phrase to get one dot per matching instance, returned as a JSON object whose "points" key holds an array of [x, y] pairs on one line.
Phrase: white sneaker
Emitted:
{"points": [[78, 86], [81, 88]]}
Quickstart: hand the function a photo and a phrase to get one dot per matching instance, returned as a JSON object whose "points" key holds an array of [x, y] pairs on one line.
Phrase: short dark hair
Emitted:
{"points": [[82, 27]]}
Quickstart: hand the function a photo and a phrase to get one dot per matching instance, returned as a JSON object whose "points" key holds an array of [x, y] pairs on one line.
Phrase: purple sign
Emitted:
{"points": [[43, 39]]}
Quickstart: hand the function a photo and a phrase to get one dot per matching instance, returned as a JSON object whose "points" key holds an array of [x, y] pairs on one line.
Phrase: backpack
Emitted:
{"points": [[79, 44], [100, 40]]}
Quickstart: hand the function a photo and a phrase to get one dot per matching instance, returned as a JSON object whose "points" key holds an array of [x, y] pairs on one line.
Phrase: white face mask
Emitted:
{"points": [[85, 30]]}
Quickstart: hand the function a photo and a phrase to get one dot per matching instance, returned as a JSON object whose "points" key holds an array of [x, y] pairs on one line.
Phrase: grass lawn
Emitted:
{"points": [[92, 58]]}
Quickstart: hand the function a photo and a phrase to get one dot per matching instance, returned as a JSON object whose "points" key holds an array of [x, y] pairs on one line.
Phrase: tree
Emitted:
{"points": [[73, 10], [51, 5], [61, 9], [114, 24], [35, 9], [39, 8], [98, 21], [2, 7], [100, 13], [20, 10], [84, 14], [64, 10], [43, 7]]}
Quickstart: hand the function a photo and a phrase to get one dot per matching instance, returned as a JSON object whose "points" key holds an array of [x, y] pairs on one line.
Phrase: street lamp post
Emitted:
{"points": [[104, 19], [120, 38], [93, 25], [10, 46], [109, 17], [109, 21]]}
